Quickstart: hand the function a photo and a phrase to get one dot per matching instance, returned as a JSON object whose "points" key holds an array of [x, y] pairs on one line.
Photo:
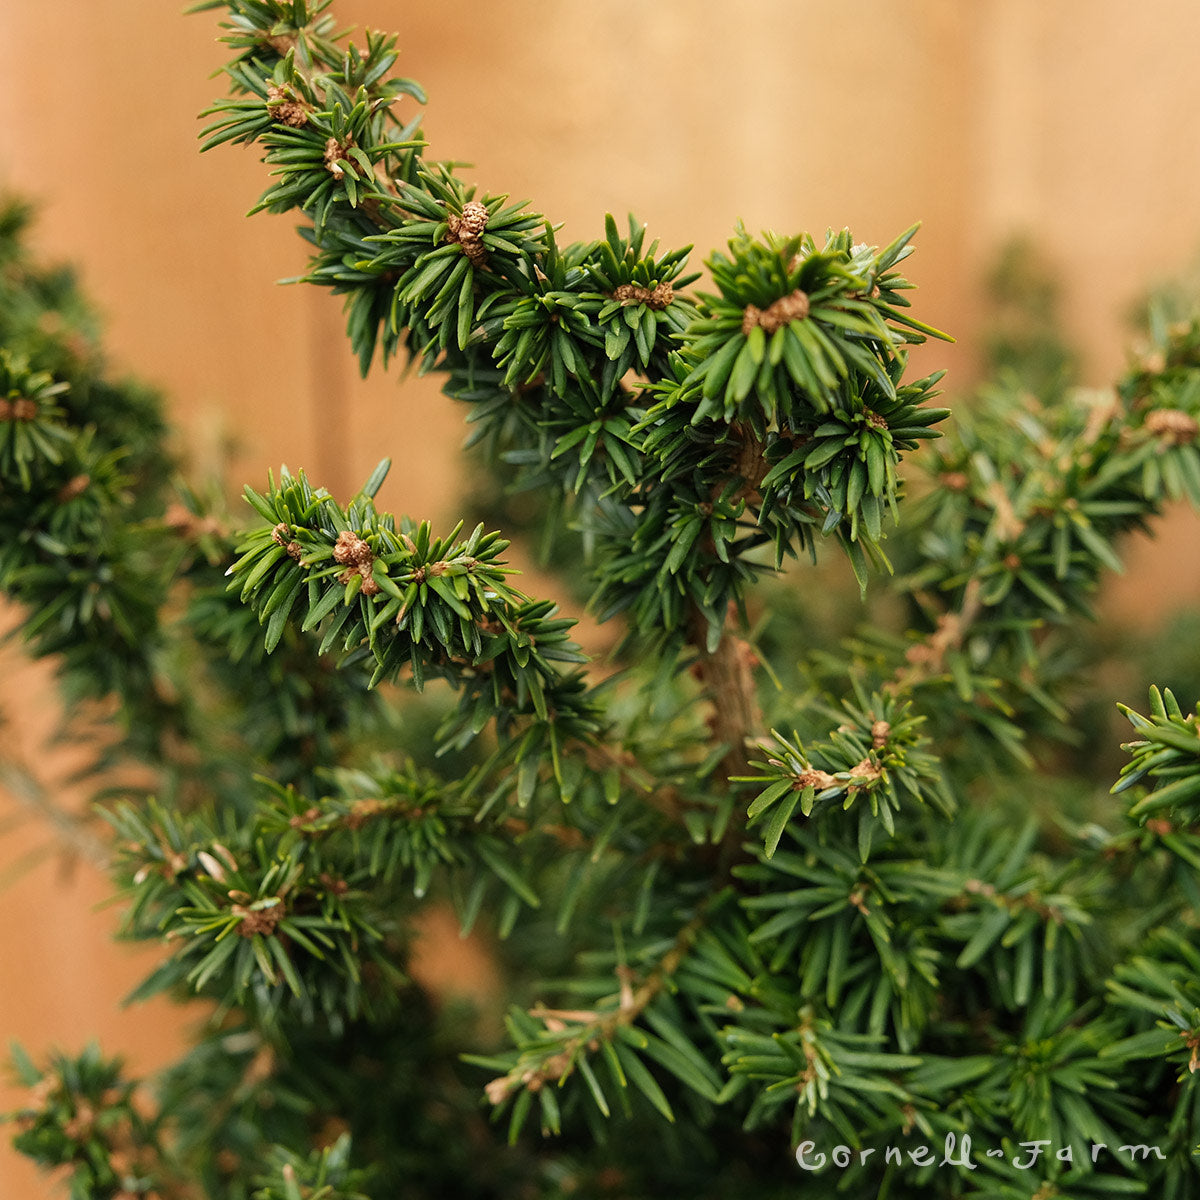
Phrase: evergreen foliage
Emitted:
{"points": [[735, 920]]}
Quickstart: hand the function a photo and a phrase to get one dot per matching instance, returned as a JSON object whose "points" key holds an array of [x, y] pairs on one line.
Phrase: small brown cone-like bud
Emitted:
{"points": [[466, 229], [285, 108], [362, 811], [335, 153], [784, 310], [351, 551], [1173, 427], [258, 920], [661, 297], [777, 314], [74, 487], [658, 297], [280, 535], [474, 217]]}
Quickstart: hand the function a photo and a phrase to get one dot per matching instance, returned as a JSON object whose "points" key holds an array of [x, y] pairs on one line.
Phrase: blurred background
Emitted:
{"points": [[1069, 124]]}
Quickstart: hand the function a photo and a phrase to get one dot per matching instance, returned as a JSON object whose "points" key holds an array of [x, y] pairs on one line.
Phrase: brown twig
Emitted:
{"points": [[927, 658], [595, 1026], [726, 676]]}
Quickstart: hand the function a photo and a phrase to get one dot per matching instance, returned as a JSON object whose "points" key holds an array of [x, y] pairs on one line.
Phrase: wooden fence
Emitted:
{"points": [[1073, 121]]}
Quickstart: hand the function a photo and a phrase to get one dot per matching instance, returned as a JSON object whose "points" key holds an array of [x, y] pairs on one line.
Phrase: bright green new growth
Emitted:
{"points": [[857, 907]]}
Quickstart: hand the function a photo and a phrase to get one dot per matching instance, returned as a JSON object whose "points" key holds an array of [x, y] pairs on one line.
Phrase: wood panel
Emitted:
{"points": [[1072, 120]]}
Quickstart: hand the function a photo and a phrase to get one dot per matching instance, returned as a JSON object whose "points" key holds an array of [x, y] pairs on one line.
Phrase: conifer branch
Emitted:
{"points": [[573, 1034]]}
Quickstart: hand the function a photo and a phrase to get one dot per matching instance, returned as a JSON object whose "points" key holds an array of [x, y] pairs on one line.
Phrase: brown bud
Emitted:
{"points": [[777, 314], [227, 1161], [80, 1126], [74, 487], [657, 297], [361, 811], [474, 217], [467, 228], [285, 108], [1173, 427], [258, 920], [351, 550], [661, 297], [335, 153]]}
